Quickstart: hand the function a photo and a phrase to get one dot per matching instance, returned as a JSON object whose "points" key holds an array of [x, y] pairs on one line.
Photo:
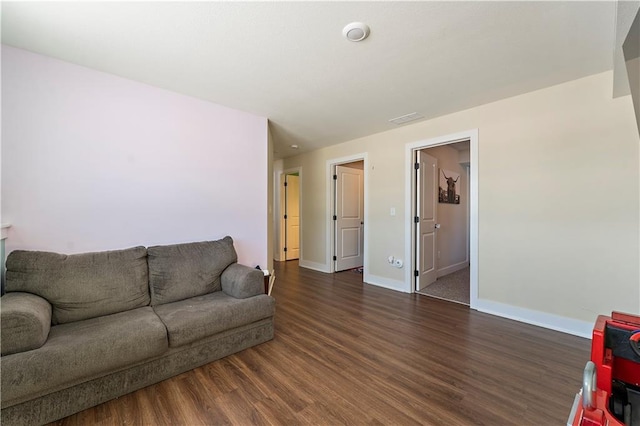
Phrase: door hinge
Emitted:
{"points": [[335, 177], [335, 258], [285, 249], [416, 273], [285, 216], [416, 165], [286, 184], [416, 219], [335, 217]]}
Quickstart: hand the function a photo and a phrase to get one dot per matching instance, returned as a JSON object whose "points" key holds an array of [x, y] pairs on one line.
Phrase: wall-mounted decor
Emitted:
{"points": [[449, 187]]}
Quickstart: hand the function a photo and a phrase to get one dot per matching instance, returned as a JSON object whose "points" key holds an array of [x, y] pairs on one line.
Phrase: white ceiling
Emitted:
{"points": [[288, 61]]}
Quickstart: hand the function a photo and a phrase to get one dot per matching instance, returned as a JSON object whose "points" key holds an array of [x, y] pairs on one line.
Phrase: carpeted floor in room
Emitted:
{"points": [[453, 287]]}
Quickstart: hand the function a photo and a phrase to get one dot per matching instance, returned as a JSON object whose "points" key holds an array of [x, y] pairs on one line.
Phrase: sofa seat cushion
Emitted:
{"points": [[82, 286], [79, 351], [199, 317], [181, 271]]}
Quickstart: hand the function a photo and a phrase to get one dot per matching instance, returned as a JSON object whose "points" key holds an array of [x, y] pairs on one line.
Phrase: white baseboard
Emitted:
{"points": [[529, 316], [386, 283], [541, 319], [452, 268], [320, 267]]}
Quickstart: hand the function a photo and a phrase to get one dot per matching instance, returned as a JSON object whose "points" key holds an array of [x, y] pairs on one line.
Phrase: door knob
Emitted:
{"points": [[437, 226]]}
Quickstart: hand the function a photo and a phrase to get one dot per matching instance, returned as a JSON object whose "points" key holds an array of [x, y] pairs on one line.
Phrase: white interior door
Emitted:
{"points": [[292, 217], [349, 218], [427, 219]]}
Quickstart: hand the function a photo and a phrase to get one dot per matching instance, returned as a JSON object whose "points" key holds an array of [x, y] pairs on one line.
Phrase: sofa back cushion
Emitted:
{"points": [[180, 271], [82, 286]]}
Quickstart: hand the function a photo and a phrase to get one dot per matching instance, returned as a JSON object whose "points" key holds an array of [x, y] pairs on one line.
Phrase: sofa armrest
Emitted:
{"points": [[25, 321], [241, 281]]}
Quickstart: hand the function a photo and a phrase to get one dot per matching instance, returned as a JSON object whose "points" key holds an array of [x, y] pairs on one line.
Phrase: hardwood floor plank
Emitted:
{"points": [[351, 353]]}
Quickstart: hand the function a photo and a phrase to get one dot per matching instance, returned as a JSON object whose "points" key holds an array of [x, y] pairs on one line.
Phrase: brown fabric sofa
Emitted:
{"points": [[79, 330]]}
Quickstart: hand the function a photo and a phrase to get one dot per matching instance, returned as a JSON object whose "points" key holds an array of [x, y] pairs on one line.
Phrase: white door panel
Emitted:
{"points": [[350, 242], [292, 221], [349, 218], [427, 208]]}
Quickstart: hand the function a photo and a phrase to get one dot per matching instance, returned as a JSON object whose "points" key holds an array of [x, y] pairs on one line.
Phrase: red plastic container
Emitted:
{"points": [[610, 394]]}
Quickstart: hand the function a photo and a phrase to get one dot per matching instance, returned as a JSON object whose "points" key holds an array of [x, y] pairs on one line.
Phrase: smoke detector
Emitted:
{"points": [[356, 31]]}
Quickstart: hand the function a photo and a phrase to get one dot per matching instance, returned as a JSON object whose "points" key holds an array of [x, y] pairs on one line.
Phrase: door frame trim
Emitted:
{"points": [[472, 136], [330, 203]]}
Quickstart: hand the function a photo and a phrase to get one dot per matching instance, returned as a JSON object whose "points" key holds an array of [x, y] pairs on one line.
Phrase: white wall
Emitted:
{"points": [[558, 201], [91, 161], [270, 207], [633, 70]]}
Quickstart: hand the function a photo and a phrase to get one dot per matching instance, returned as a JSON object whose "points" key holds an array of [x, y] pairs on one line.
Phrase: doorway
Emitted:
{"points": [[347, 214], [442, 222], [290, 215], [449, 181]]}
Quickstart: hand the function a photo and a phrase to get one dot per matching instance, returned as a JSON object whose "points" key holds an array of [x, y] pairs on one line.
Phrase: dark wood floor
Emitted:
{"points": [[351, 353]]}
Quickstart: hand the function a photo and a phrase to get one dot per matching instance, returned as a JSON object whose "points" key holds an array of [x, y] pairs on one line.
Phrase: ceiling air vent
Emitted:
{"points": [[406, 118]]}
